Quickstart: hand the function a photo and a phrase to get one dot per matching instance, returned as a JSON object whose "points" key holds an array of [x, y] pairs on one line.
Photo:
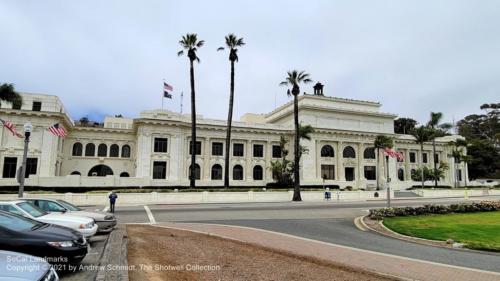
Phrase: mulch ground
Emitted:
{"points": [[168, 254]]}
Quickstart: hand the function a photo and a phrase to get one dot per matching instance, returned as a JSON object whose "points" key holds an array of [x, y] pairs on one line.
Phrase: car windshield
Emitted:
{"points": [[68, 205], [18, 223], [31, 209]]}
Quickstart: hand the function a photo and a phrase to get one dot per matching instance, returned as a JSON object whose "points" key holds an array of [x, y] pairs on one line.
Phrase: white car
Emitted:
{"points": [[86, 226], [22, 267]]}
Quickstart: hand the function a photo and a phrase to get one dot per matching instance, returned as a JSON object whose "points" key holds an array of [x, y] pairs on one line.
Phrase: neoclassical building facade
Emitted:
{"points": [[153, 149]]}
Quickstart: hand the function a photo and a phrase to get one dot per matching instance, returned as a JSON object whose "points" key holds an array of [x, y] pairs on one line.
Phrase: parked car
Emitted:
{"points": [[22, 267], [105, 221], [85, 226], [57, 244]]}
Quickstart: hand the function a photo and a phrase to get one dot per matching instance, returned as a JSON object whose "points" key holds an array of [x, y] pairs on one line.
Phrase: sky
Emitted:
{"points": [[110, 57]]}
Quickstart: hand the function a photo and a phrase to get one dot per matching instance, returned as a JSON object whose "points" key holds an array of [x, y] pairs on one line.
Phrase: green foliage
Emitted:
{"points": [[421, 134], [232, 43], [404, 125], [9, 94], [190, 43], [483, 206], [382, 141], [429, 173], [482, 132]]}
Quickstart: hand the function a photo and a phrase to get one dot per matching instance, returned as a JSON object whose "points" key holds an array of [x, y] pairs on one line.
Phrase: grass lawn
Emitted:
{"points": [[476, 230]]}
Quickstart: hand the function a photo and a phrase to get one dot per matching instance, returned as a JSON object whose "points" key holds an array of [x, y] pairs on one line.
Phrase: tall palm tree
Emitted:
{"points": [[381, 142], [294, 79], [457, 153], [9, 94], [422, 135], [190, 43], [438, 130], [232, 43]]}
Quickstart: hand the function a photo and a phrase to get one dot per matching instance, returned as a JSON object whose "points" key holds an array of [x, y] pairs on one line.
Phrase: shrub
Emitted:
{"points": [[485, 206]]}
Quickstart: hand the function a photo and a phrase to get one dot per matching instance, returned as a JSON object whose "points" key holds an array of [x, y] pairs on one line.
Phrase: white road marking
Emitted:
{"points": [[359, 224], [150, 215], [105, 209]]}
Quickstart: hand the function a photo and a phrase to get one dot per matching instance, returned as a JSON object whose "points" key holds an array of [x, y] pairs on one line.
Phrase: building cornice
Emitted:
{"points": [[67, 122]]}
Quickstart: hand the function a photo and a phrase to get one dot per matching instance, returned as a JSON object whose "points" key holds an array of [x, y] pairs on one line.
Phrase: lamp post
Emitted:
{"points": [[27, 133], [388, 182]]}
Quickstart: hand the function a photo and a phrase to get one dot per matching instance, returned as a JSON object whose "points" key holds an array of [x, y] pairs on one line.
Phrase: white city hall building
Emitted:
{"points": [[154, 150]]}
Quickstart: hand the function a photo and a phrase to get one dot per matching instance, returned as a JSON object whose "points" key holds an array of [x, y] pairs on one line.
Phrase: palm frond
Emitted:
{"points": [[200, 43], [284, 83], [220, 49], [180, 53]]}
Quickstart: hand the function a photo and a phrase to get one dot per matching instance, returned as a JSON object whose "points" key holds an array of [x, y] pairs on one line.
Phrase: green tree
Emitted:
{"points": [[294, 79], [457, 153], [9, 94], [282, 170], [381, 142], [430, 174], [422, 135], [437, 129], [191, 44], [232, 43], [404, 125]]}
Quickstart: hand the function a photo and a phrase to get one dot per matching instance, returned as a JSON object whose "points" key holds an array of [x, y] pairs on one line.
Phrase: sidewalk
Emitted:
{"points": [[396, 266]]}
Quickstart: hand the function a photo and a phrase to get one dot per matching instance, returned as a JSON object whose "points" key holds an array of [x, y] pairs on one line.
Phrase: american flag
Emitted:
{"points": [[57, 130], [11, 127], [394, 154], [167, 87]]}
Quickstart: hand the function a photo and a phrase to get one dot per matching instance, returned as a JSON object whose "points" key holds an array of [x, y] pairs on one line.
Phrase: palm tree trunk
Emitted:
{"points": [[465, 173], [192, 179], [228, 133], [421, 166], [296, 176], [378, 167], [435, 164]]}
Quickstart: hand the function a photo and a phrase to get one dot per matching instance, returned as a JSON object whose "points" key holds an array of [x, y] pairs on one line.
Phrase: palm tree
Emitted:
{"points": [[457, 153], [9, 94], [294, 79], [422, 135], [232, 43], [437, 130], [190, 43], [381, 141]]}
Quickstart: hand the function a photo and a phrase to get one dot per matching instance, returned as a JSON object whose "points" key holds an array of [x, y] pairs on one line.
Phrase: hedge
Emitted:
{"points": [[484, 206]]}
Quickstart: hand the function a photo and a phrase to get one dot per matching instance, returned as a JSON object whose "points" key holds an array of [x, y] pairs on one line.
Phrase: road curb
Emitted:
{"points": [[114, 254]]}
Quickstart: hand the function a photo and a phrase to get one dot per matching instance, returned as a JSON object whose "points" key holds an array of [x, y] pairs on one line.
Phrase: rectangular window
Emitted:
{"points": [[31, 167], [197, 148], [276, 151], [412, 157], [328, 172], [9, 167], [161, 145], [159, 170], [436, 158], [424, 158], [37, 106], [217, 148], [258, 150], [370, 172], [459, 175], [238, 149], [16, 106]]}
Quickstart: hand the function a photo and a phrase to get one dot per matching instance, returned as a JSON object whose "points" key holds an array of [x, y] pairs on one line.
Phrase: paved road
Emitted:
{"points": [[328, 221]]}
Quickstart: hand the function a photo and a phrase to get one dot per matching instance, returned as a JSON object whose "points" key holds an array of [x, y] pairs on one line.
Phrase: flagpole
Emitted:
{"points": [[163, 94]]}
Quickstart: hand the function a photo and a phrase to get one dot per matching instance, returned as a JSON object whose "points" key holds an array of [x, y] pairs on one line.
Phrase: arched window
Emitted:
{"points": [[124, 175], [90, 149], [369, 153], [327, 151], [76, 173], [349, 152], [197, 171], [102, 150], [126, 151], [100, 171], [401, 174], [216, 172], [237, 173], [77, 149], [258, 173], [114, 150]]}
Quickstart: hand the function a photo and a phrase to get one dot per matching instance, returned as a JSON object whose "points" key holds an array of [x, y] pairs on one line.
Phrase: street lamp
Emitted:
{"points": [[388, 187], [27, 133]]}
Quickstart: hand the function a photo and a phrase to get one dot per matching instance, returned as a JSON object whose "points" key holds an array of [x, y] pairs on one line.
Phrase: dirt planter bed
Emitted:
{"points": [[166, 254]]}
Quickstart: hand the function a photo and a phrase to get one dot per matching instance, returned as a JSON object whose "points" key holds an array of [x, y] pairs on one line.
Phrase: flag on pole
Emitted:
{"points": [[57, 130], [391, 153], [11, 127], [166, 89]]}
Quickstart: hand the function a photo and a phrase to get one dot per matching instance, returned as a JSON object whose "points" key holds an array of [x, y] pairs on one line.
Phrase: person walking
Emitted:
{"points": [[112, 200]]}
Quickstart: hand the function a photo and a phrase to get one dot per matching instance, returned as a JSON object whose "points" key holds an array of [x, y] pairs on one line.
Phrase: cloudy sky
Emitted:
{"points": [[110, 57]]}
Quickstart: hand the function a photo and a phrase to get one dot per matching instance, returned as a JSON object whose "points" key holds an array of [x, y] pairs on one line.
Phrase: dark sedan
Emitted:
{"points": [[58, 244]]}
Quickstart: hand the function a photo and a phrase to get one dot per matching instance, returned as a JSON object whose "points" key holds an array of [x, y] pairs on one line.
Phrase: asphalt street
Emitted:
{"points": [[324, 221]]}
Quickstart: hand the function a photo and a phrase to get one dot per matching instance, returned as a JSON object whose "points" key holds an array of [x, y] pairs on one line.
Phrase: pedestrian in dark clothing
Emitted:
{"points": [[112, 199]]}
